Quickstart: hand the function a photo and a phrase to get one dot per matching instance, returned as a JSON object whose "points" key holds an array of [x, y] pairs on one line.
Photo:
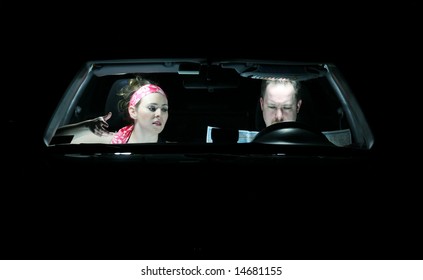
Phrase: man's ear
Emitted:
{"points": [[299, 105], [132, 112], [261, 103]]}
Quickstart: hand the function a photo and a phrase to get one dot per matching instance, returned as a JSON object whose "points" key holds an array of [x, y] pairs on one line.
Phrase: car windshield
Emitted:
{"points": [[213, 102]]}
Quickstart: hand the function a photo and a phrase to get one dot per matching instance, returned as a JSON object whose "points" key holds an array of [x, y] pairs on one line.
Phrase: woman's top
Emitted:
{"points": [[123, 135]]}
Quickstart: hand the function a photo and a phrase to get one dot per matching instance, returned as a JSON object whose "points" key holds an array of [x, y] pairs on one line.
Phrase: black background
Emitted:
{"points": [[44, 46]]}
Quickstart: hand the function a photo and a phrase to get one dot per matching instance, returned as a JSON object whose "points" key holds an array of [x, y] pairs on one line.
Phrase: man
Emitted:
{"points": [[280, 100]]}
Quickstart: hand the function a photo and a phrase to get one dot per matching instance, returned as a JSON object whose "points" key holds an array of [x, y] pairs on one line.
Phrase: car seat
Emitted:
{"points": [[117, 120]]}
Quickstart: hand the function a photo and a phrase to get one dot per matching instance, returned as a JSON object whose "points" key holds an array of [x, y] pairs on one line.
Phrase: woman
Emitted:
{"points": [[146, 107]]}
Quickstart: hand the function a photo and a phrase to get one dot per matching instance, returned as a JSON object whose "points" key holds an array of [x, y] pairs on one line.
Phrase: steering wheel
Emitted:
{"points": [[291, 133]]}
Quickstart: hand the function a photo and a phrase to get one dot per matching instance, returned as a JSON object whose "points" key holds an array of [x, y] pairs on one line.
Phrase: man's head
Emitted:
{"points": [[280, 100]]}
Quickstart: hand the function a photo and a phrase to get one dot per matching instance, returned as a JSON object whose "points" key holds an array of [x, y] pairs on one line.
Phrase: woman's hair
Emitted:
{"points": [[127, 91]]}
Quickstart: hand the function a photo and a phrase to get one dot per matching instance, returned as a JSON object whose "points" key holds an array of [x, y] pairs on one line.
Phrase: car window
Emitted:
{"points": [[219, 101]]}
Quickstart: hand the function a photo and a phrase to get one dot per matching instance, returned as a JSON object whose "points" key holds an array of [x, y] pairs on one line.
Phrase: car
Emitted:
{"points": [[221, 175], [215, 110]]}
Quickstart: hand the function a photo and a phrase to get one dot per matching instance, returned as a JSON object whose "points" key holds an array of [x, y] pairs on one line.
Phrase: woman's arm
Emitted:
{"points": [[98, 126], [88, 131]]}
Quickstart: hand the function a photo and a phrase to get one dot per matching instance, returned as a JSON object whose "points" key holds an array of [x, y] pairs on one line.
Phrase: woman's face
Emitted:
{"points": [[152, 113]]}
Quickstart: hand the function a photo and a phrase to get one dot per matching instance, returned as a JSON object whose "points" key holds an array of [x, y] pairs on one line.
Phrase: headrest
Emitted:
{"points": [[117, 120]]}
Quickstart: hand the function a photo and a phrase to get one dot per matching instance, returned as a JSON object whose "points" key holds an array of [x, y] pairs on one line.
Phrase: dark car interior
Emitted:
{"points": [[222, 99]]}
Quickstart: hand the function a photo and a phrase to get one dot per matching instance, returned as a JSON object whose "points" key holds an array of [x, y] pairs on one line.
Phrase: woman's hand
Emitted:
{"points": [[99, 125]]}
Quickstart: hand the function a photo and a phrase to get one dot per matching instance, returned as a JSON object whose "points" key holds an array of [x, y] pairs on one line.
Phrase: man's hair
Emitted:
{"points": [[284, 81]]}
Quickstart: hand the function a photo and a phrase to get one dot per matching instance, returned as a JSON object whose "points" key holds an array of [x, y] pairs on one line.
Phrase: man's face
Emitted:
{"points": [[279, 104]]}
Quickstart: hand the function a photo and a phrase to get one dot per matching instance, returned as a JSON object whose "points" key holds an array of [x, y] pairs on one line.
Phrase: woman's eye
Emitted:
{"points": [[165, 109], [152, 108]]}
